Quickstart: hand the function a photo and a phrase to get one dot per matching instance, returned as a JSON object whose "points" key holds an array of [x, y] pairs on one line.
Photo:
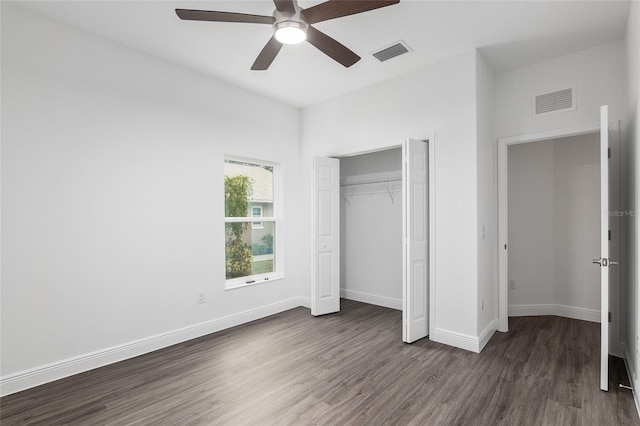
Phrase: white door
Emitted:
{"points": [[325, 297], [607, 249], [415, 300]]}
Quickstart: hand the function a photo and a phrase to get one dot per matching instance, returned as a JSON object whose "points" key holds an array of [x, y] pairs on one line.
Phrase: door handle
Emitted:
{"points": [[605, 262]]}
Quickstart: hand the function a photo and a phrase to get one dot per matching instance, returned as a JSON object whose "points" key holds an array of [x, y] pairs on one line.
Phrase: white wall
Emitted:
{"points": [[112, 200], [440, 98], [487, 228], [631, 192], [371, 230], [531, 223], [385, 161], [554, 219], [597, 73]]}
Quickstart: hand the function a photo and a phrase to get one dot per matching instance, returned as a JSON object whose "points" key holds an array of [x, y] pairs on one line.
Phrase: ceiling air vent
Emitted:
{"points": [[557, 101], [392, 51]]}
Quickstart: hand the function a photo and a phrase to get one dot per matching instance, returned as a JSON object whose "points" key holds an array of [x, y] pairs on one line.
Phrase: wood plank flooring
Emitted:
{"points": [[347, 368]]}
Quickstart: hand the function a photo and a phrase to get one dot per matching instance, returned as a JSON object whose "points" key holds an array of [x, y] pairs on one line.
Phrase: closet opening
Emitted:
{"points": [[373, 220], [371, 228]]}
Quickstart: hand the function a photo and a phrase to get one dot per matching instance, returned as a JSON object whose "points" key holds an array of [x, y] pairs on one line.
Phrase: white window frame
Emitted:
{"points": [[278, 246]]}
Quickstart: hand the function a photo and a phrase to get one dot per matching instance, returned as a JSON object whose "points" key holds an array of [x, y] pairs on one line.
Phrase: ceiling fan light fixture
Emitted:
{"points": [[290, 32]]}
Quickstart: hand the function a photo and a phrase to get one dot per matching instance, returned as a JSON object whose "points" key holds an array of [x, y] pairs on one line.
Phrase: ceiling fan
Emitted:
{"points": [[292, 25]]}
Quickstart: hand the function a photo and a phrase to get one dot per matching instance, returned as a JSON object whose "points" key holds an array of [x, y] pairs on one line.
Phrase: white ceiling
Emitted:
{"points": [[510, 34]]}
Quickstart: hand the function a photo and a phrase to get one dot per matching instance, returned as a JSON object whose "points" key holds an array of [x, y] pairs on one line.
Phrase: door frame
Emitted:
{"points": [[397, 143], [503, 225]]}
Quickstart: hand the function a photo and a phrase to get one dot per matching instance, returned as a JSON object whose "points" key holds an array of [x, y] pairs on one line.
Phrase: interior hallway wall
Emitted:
{"points": [[576, 164], [531, 224]]}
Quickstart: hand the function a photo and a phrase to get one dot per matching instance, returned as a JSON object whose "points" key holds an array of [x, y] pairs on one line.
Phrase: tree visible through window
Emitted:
{"points": [[249, 245]]}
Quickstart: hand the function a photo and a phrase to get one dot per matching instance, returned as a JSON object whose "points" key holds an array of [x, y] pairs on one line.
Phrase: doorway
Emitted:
{"points": [[415, 199], [553, 196], [607, 227]]}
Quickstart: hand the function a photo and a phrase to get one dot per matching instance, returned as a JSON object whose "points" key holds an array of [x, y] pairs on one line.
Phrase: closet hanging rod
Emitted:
{"points": [[370, 182]]}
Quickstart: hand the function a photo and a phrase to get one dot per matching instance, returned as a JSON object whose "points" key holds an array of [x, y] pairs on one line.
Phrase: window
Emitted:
{"points": [[250, 191], [256, 211]]}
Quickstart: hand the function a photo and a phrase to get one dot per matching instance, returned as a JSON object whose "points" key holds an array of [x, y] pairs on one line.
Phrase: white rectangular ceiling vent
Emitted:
{"points": [[553, 102], [396, 49]]}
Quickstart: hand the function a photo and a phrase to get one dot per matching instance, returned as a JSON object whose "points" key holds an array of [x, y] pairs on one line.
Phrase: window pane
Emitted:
{"points": [[247, 184], [256, 211], [249, 251]]}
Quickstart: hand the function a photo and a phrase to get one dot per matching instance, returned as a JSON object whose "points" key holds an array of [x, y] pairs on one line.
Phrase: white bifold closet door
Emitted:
{"points": [[415, 300], [325, 297]]}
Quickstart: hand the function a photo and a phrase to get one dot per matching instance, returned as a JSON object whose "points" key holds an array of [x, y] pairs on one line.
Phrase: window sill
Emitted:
{"points": [[240, 283]]}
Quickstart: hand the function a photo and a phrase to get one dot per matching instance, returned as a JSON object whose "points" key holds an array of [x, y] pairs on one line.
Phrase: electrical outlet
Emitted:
{"points": [[512, 284], [202, 298]]}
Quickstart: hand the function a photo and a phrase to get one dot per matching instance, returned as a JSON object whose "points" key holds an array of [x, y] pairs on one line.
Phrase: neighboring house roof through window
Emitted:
{"points": [[261, 181]]}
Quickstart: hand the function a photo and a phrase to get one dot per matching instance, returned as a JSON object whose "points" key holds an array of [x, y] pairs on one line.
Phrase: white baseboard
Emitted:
{"points": [[464, 341], [459, 340], [487, 333], [371, 299], [632, 375], [26, 379], [305, 302], [557, 310]]}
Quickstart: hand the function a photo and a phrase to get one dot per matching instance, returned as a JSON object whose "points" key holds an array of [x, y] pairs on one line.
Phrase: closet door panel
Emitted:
{"points": [[415, 230], [325, 296]]}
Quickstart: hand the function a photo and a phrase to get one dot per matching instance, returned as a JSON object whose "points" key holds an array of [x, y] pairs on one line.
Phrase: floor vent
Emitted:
{"points": [[553, 102], [396, 49]]}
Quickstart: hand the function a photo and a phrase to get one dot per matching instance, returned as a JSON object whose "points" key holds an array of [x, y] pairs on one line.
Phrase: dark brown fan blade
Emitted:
{"points": [[210, 15], [331, 48], [285, 6], [268, 54], [338, 8]]}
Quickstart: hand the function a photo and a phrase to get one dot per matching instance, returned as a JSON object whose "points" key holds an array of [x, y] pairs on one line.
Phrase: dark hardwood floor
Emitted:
{"points": [[346, 368]]}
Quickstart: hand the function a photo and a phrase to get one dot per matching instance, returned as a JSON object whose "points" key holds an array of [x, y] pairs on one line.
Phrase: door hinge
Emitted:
{"points": [[505, 246], [608, 152], [609, 316], [609, 234]]}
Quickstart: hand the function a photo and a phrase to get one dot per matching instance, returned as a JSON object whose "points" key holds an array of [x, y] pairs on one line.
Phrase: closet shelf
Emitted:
{"points": [[370, 187], [372, 182]]}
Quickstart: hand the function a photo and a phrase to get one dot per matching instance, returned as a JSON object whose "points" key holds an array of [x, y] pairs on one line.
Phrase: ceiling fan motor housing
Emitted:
{"points": [[288, 21]]}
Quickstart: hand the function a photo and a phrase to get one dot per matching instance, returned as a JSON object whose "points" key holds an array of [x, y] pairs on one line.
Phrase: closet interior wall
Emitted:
{"points": [[371, 228]]}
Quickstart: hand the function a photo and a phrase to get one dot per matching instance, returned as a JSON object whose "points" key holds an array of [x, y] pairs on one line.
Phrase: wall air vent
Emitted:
{"points": [[553, 102], [396, 49]]}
